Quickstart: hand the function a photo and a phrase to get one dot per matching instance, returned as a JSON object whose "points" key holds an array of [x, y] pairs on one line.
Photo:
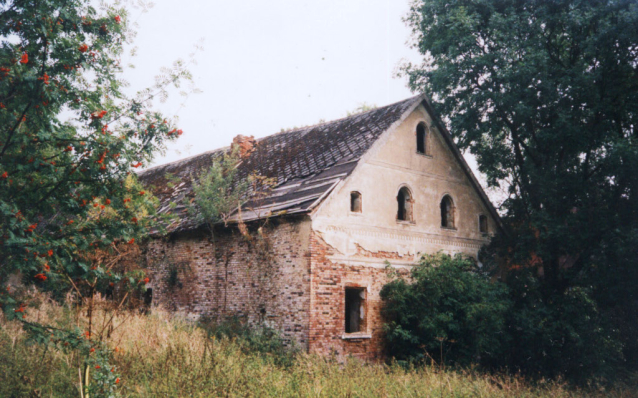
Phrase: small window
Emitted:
{"points": [[421, 138], [355, 202], [355, 309], [483, 224], [404, 204], [447, 212], [148, 297]]}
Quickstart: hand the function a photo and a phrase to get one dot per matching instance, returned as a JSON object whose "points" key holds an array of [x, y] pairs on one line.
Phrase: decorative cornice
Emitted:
{"points": [[418, 237]]}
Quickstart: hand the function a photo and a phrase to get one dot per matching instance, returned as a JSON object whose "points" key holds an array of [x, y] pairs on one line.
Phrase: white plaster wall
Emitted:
{"points": [[393, 162]]}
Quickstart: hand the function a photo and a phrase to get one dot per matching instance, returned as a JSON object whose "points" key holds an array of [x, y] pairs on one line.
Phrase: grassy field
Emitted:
{"points": [[160, 356]]}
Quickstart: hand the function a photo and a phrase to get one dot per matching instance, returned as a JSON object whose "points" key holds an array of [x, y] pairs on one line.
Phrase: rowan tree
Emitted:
{"points": [[70, 141]]}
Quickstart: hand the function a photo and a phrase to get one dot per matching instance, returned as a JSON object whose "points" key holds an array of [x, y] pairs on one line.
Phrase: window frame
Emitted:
{"points": [[408, 205], [424, 134], [362, 311], [360, 202], [482, 217], [451, 212]]}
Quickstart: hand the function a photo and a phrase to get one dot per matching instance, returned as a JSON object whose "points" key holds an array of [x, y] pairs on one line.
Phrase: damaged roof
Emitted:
{"points": [[305, 164]]}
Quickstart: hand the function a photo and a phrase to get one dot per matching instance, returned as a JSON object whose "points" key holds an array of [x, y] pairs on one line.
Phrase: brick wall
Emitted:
{"points": [[327, 315], [260, 280], [285, 280]]}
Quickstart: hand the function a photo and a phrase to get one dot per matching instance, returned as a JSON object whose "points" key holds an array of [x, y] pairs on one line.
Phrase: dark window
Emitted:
{"points": [[148, 297], [404, 202], [355, 309], [447, 212], [483, 223], [420, 138], [355, 202]]}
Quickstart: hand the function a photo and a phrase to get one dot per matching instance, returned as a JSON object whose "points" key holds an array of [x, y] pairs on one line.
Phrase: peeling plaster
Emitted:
{"points": [[393, 162]]}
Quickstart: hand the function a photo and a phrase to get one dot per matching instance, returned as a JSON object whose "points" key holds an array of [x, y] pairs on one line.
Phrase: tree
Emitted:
{"points": [[447, 310], [217, 192], [223, 190], [545, 94], [69, 142]]}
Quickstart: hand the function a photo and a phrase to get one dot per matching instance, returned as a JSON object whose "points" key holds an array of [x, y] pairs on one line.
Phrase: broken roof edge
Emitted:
{"points": [[228, 223], [177, 162]]}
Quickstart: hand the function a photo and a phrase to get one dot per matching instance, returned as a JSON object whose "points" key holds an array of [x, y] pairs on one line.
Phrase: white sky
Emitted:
{"points": [[269, 65], [274, 64]]}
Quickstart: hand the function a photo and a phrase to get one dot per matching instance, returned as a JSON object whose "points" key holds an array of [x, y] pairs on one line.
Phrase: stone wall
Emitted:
{"points": [[327, 317], [261, 280], [349, 247]]}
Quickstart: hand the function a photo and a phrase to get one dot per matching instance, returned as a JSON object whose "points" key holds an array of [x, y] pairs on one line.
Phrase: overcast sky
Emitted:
{"points": [[269, 65]]}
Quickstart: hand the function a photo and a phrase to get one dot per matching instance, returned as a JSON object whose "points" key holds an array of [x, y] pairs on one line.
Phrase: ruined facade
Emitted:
{"points": [[351, 195]]}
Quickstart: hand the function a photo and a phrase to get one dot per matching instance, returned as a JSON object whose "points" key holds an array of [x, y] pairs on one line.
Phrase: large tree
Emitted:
{"points": [[70, 140], [545, 95]]}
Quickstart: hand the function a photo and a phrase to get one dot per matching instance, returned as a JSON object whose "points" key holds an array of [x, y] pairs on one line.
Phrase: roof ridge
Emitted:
{"points": [[210, 152], [297, 129]]}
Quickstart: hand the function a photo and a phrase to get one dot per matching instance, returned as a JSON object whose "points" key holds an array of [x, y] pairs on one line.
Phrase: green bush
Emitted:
{"points": [[256, 339], [559, 334], [447, 311]]}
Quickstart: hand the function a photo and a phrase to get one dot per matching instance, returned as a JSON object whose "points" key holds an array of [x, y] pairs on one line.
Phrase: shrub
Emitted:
{"points": [[448, 311], [559, 334], [164, 356], [260, 338]]}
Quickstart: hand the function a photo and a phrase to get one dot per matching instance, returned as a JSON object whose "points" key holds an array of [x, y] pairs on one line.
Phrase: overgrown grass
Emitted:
{"points": [[160, 356]]}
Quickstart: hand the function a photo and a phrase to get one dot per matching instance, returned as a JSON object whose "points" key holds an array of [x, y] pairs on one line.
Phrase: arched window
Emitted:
{"points": [[447, 212], [421, 138], [355, 202], [483, 224], [404, 203]]}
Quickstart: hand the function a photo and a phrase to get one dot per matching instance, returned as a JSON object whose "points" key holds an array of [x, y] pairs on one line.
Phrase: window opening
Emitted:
{"points": [[483, 223], [420, 138], [148, 297], [404, 203], [355, 202], [355, 309], [447, 212]]}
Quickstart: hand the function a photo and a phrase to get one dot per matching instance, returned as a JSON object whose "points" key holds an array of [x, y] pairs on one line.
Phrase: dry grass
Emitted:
{"points": [[160, 356]]}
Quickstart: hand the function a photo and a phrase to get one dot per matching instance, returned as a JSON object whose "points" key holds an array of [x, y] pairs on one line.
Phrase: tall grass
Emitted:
{"points": [[163, 356]]}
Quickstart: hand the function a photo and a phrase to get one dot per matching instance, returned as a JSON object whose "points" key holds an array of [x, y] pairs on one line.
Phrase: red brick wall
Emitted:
{"points": [[327, 315], [286, 281], [260, 280]]}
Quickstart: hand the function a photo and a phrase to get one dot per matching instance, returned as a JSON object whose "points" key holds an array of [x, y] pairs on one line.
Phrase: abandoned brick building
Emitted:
{"points": [[387, 184]]}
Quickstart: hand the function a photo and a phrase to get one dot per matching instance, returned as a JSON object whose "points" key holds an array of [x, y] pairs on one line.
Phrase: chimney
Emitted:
{"points": [[246, 145]]}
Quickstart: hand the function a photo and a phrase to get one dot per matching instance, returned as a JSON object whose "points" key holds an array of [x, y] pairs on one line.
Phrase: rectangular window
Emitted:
{"points": [[483, 224], [355, 202], [355, 309]]}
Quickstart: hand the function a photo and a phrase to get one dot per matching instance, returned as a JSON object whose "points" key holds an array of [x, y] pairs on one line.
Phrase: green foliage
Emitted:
{"points": [[69, 142], [544, 94], [447, 311], [561, 335], [364, 107], [160, 356], [64, 187], [217, 193], [178, 272], [253, 339]]}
